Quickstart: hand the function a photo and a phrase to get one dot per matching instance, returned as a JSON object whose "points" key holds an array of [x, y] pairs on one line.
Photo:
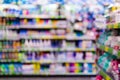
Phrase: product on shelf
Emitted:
{"points": [[38, 23], [109, 45], [40, 11], [100, 21], [10, 45], [38, 40], [110, 39], [105, 61], [89, 56], [9, 10], [113, 17], [29, 69], [11, 69], [115, 68], [5, 34], [99, 77], [61, 57], [11, 56]]}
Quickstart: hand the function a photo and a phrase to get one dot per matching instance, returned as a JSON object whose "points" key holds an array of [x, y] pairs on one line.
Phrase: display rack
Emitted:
{"points": [[113, 26], [105, 74], [109, 52], [108, 49], [25, 54]]}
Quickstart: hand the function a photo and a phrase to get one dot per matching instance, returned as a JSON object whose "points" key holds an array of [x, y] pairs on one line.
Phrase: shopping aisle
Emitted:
{"points": [[49, 38], [45, 42]]}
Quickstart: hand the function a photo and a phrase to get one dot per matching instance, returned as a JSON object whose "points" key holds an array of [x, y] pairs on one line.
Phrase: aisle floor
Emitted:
{"points": [[59, 78]]}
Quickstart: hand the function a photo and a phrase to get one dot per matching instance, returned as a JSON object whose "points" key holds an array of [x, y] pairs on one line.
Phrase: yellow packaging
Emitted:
{"points": [[37, 20], [67, 66], [77, 68], [36, 68]]}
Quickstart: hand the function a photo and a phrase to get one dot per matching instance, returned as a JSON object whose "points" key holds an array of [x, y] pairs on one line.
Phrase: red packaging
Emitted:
{"points": [[99, 77]]}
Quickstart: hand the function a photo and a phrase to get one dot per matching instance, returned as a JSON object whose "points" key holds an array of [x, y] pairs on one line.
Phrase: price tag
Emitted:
{"points": [[78, 49], [54, 26], [109, 26], [108, 78], [118, 54], [113, 8], [46, 27], [55, 37], [53, 17], [37, 20], [63, 37], [58, 37], [44, 37], [116, 26], [106, 49], [93, 49]]}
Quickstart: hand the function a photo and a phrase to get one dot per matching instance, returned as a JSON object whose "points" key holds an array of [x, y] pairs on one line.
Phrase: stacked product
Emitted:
{"points": [[108, 45], [37, 44], [51, 69]]}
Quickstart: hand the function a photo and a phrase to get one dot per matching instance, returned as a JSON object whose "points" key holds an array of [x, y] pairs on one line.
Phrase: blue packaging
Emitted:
{"points": [[90, 67], [29, 56], [23, 32], [18, 68], [6, 68]]}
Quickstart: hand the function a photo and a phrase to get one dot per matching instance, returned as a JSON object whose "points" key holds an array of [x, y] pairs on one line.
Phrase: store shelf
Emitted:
{"points": [[12, 38], [10, 50], [47, 49], [9, 16], [70, 74], [80, 61], [80, 49], [42, 17], [113, 26], [47, 37], [108, 49], [49, 62], [80, 38], [46, 62], [42, 37], [10, 61], [106, 75], [57, 37], [37, 27], [52, 75]]}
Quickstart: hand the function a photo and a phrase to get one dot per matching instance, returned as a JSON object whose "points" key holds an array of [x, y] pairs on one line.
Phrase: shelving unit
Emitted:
{"points": [[103, 73], [113, 26], [46, 62], [108, 51], [50, 75], [25, 50]]}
